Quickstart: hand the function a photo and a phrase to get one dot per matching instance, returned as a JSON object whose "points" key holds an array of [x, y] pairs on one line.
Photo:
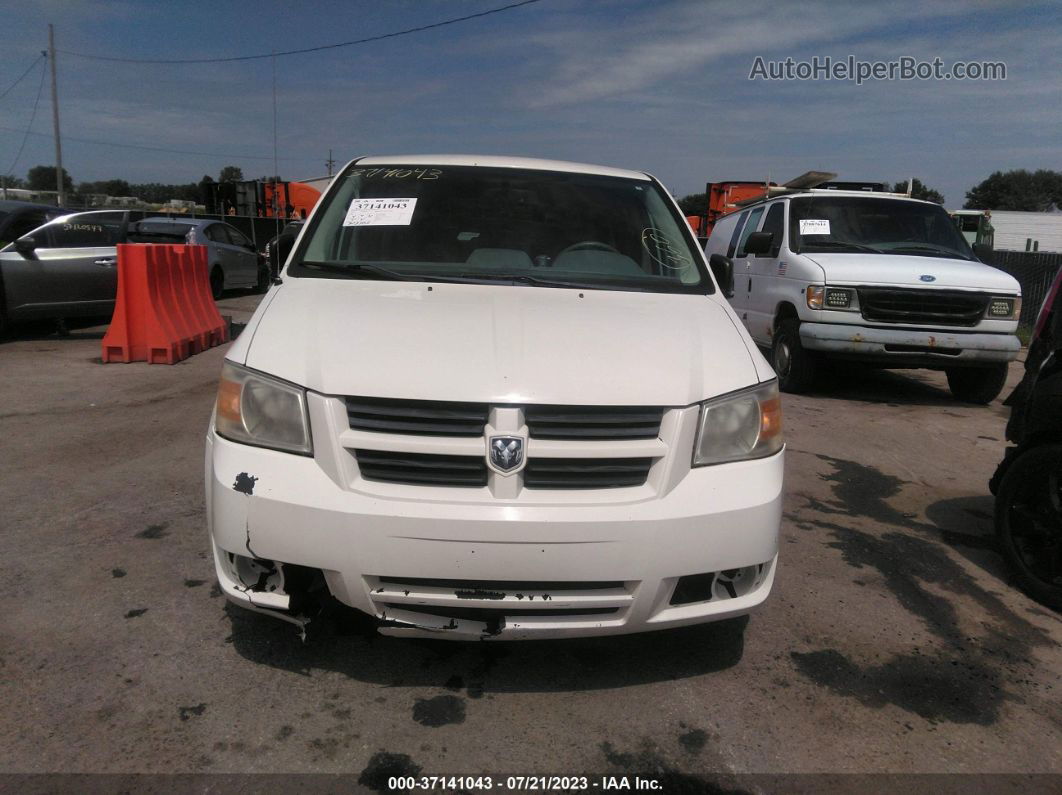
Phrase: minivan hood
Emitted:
{"points": [[497, 343], [907, 271]]}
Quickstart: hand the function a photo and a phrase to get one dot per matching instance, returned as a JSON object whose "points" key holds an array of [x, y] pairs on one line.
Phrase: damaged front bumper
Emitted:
{"points": [[704, 551], [908, 346]]}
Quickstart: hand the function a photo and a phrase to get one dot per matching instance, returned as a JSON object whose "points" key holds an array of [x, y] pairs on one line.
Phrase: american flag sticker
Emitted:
{"points": [[781, 268]]}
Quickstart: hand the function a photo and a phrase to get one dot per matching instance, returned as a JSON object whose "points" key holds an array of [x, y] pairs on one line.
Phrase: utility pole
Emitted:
{"points": [[55, 120], [330, 163]]}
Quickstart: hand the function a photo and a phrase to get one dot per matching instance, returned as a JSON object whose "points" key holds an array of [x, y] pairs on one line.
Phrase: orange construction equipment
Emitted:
{"points": [[164, 311]]}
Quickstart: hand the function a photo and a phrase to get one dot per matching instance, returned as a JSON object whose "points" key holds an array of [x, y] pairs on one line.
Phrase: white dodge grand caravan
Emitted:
{"points": [[877, 278], [496, 398]]}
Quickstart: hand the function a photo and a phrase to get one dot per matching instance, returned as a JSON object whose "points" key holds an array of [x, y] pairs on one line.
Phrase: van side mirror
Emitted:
{"points": [[723, 270], [26, 245], [759, 243]]}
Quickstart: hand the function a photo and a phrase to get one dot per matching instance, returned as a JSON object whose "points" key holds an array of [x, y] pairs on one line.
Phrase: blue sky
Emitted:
{"points": [[658, 86]]}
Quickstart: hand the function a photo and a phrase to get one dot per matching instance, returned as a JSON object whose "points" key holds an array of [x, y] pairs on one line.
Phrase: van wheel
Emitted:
{"points": [[1029, 522], [217, 283], [794, 365], [979, 385]]}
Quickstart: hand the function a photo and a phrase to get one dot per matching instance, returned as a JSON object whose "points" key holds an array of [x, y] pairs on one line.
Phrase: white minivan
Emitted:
{"points": [[496, 398], [871, 277]]}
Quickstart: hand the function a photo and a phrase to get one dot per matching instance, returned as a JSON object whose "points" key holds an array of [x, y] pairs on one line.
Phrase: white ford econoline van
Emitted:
{"points": [[871, 277], [496, 398]]}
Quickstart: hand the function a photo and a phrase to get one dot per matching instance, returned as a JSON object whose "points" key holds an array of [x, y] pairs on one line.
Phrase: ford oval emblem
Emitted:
{"points": [[927, 278]]}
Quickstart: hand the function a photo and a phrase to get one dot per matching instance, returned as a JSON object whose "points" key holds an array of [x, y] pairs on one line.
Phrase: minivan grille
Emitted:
{"points": [[930, 307], [593, 422], [585, 473], [418, 417], [421, 469]]}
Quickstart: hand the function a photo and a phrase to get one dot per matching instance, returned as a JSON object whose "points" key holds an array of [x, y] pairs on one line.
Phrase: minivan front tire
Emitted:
{"points": [[980, 385], [795, 366]]}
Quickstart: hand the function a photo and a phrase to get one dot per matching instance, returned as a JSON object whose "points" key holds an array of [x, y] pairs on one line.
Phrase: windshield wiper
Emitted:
{"points": [[844, 244], [948, 252], [357, 269], [537, 281]]}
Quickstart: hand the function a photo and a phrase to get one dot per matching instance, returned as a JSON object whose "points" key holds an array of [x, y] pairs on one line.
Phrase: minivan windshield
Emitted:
{"points": [[874, 226], [507, 225]]}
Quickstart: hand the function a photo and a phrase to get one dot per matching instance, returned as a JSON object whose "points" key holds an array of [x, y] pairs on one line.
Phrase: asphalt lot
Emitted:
{"points": [[893, 642]]}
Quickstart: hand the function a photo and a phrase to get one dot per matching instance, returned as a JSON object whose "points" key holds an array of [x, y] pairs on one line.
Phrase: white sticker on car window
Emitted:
{"points": [[380, 212], [814, 226]]}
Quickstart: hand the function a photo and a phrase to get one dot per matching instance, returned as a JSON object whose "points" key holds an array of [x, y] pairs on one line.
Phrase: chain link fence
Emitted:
{"points": [[1035, 272]]}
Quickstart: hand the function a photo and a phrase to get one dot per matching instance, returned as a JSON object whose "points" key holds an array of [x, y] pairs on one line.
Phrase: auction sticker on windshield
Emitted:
{"points": [[814, 226], [380, 212]]}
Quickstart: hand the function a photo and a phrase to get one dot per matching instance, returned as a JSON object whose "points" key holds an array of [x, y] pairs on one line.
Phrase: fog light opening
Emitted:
{"points": [[256, 574], [732, 583]]}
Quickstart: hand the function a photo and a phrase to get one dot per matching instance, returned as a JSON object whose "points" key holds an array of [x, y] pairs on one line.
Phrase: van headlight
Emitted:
{"points": [[257, 409], [1004, 307], [740, 426]]}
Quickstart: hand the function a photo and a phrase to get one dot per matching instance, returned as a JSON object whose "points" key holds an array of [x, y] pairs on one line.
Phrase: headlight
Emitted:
{"points": [[740, 426], [838, 298], [257, 409], [1004, 308]]}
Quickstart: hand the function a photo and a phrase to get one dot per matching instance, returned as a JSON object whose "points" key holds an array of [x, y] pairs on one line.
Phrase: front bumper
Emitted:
{"points": [[909, 347], [555, 568]]}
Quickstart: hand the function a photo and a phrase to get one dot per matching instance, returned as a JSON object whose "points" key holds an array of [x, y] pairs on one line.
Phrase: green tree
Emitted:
{"points": [[919, 190], [43, 178], [694, 204], [111, 187], [11, 181], [1030, 191], [231, 174]]}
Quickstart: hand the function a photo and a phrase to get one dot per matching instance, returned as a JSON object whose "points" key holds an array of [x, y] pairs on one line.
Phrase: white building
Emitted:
{"points": [[1013, 229]]}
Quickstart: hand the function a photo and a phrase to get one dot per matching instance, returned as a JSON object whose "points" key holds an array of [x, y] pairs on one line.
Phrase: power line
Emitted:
{"points": [[381, 37], [8, 89], [33, 118], [160, 149]]}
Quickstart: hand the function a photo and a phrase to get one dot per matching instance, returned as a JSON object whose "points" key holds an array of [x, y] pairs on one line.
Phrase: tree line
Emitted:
{"points": [[43, 178], [1029, 191]]}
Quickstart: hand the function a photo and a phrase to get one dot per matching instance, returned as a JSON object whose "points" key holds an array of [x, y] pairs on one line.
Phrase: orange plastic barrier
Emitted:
{"points": [[164, 311]]}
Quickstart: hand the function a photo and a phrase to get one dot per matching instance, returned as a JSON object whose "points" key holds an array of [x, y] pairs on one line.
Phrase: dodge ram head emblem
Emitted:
{"points": [[506, 452]]}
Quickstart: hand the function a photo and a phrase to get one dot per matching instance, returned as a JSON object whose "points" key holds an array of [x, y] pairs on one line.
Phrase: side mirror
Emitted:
{"points": [[723, 270], [759, 243], [26, 245]]}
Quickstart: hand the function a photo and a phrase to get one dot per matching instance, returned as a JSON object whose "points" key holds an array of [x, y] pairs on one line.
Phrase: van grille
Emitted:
{"points": [[593, 422], [585, 473], [417, 417], [420, 469], [930, 307]]}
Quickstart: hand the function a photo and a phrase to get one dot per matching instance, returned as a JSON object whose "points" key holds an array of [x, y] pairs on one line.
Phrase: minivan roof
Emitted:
{"points": [[500, 161]]}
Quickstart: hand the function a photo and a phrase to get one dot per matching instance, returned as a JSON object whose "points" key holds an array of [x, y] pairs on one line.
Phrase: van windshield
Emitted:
{"points": [[521, 226], [874, 226]]}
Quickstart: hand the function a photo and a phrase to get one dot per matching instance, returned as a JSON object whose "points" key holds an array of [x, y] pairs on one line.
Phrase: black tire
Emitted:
{"points": [[979, 385], [5, 325], [1029, 522], [264, 278], [795, 366], [217, 283]]}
